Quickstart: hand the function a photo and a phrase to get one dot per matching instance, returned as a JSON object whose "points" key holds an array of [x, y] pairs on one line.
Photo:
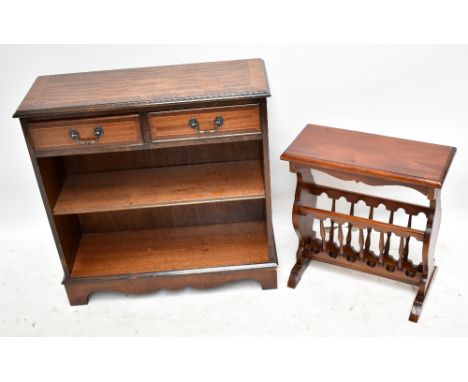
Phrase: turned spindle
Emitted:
{"points": [[381, 248], [401, 253], [369, 230], [322, 234], [389, 235], [350, 226], [340, 238], [361, 244], [408, 238], [332, 225]]}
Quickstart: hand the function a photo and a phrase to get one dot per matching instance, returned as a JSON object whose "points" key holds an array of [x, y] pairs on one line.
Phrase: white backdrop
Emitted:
{"points": [[415, 92]]}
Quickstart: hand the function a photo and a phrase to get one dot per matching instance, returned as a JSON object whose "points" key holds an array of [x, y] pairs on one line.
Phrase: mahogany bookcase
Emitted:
{"points": [[155, 177]]}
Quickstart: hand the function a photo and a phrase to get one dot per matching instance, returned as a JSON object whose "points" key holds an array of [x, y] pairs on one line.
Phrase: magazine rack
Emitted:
{"points": [[374, 160]]}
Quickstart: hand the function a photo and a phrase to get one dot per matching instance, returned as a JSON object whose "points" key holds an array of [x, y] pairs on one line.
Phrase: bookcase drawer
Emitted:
{"points": [[85, 133], [196, 123]]}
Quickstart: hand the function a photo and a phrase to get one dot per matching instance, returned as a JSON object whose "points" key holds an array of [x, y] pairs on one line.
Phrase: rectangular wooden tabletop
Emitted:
{"points": [[118, 89], [405, 160]]}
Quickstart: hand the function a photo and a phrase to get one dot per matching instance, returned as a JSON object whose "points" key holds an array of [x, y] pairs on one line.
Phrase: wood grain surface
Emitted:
{"points": [[181, 215], [124, 88], [394, 158], [54, 135], [162, 157], [79, 289], [237, 120], [169, 249]]}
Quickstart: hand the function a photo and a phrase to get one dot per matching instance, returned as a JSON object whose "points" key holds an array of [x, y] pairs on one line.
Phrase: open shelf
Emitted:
{"points": [[171, 249], [163, 186]]}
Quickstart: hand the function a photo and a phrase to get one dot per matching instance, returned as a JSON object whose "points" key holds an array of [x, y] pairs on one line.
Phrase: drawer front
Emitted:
{"points": [[196, 123], [85, 133]]}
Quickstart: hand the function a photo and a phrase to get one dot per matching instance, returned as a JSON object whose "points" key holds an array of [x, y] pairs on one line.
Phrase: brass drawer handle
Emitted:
{"points": [[217, 123], [75, 135]]}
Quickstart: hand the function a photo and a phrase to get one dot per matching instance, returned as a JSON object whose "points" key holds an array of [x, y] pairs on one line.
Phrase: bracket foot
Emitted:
{"points": [[420, 298]]}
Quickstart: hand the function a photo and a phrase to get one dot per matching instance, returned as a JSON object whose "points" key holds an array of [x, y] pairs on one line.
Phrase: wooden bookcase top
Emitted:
{"points": [[114, 90], [405, 160]]}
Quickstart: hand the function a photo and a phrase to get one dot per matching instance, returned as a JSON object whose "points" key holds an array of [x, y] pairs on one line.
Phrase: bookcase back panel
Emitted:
{"points": [[173, 216], [161, 157]]}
